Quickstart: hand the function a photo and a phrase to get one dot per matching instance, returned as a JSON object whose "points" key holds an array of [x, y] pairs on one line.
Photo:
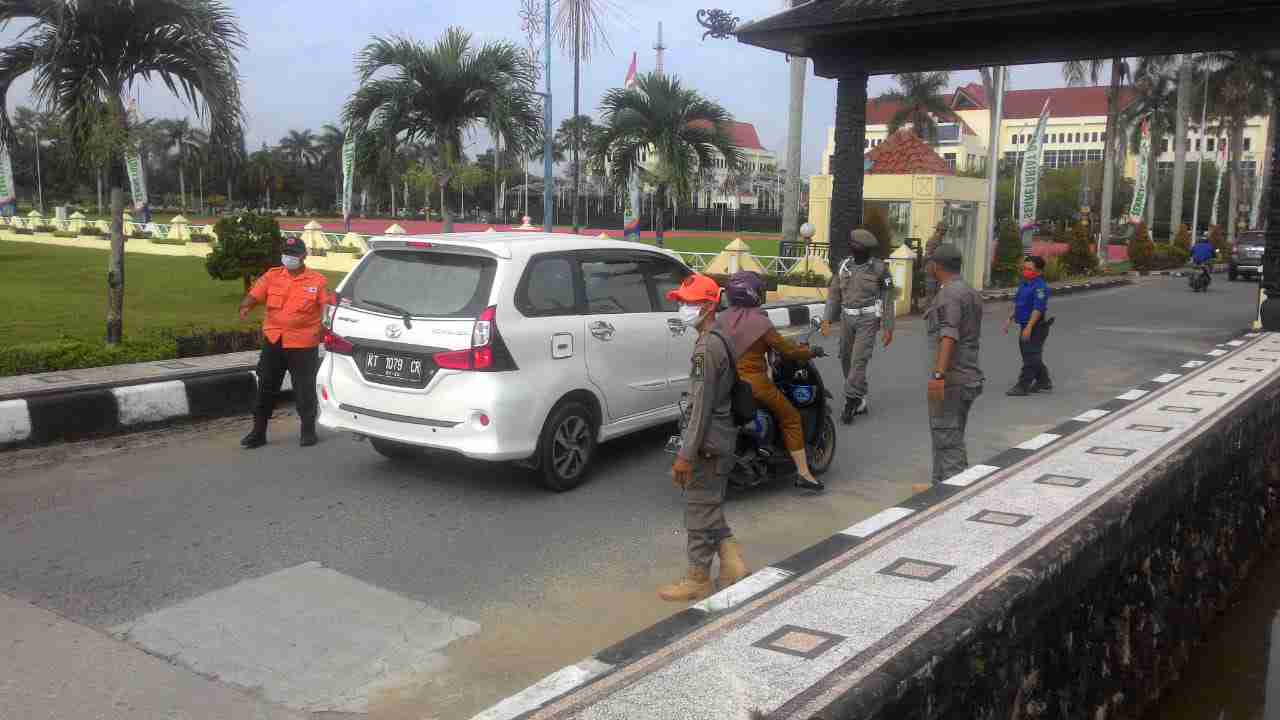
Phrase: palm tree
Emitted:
{"points": [[1155, 99], [437, 92], [1080, 72], [179, 135], [263, 168], [921, 100], [299, 147], [329, 151], [1185, 66], [84, 56], [1237, 92], [682, 129], [580, 27]]}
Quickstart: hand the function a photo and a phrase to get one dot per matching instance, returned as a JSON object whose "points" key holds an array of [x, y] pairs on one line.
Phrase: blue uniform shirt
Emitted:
{"points": [[1201, 252], [1032, 295]]}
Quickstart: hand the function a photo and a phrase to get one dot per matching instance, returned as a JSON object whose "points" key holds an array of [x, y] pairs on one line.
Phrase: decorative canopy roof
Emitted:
{"points": [[889, 36], [903, 153]]}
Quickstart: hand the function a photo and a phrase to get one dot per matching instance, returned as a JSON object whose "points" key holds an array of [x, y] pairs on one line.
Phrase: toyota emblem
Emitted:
{"points": [[393, 331]]}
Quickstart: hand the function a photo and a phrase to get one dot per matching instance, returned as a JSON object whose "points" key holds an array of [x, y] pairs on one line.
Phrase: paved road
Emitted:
{"points": [[118, 532]]}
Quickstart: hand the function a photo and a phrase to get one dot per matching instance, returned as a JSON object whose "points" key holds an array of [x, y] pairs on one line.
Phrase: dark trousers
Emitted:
{"points": [[302, 364], [1034, 371]]}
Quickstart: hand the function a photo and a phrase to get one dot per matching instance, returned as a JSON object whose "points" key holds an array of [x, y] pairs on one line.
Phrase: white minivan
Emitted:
{"points": [[530, 347]]}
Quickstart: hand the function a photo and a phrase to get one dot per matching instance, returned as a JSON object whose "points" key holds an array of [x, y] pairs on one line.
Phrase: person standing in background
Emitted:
{"points": [[955, 382], [1030, 312], [861, 296]]}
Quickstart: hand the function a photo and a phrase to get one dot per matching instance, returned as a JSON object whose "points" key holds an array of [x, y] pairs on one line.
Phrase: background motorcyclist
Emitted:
{"points": [[749, 328], [1202, 254]]}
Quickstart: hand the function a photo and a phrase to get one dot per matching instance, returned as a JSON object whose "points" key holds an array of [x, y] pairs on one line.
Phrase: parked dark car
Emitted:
{"points": [[1246, 258]]}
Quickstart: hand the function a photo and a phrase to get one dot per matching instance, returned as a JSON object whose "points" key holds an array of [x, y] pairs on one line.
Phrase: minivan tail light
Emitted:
{"points": [[487, 352], [335, 343], [418, 244]]}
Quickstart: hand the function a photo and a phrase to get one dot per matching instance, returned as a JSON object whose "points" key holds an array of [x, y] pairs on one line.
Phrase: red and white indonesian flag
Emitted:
{"points": [[630, 81]]}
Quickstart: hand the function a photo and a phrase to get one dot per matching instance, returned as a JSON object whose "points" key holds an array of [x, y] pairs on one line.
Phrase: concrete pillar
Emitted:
{"points": [[901, 266], [1269, 310], [179, 228], [847, 161]]}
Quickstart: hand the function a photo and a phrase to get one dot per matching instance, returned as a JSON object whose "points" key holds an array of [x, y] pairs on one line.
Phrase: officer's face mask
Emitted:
{"points": [[290, 262], [861, 255], [1030, 274], [690, 315]]}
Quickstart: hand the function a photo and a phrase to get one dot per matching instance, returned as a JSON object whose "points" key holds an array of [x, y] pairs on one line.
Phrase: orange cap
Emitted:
{"points": [[696, 288]]}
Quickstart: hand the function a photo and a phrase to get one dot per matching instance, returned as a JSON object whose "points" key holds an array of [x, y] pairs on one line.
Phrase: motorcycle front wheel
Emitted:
{"points": [[823, 452]]}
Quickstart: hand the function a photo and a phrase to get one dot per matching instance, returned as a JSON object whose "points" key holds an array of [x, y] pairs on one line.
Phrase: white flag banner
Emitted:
{"points": [[1255, 215], [133, 163], [1031, 165], [1217, 193], [1140, 190], [348, 174], [7, 194], [631, 206]]}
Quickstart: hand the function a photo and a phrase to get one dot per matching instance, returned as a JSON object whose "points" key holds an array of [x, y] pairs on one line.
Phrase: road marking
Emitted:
{"points": [[1194, 364], [743, 590], [1166, 378], [878, 522], [1091, 415], [970, 476], [308, 636], [1218, 352], [1132, 395], [152, 402], [15, 421]]}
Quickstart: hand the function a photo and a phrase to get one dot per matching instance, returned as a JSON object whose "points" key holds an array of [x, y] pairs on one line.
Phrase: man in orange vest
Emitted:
{"points": [[295, 297]]}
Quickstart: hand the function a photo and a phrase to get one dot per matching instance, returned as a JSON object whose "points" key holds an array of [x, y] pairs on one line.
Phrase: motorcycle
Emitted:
{"points": [[761, 456], [1200, 279]]}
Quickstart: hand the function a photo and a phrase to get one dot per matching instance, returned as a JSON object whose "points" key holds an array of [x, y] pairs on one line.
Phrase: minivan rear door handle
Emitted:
{"points": [[602, 330], [676, 326]]}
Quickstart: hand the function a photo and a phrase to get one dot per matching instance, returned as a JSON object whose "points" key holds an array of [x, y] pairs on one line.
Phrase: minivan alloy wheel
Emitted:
{"points": [[570, 447]]}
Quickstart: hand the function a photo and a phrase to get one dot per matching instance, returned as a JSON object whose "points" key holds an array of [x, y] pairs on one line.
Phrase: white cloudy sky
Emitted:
{"points": [[297, 66]]}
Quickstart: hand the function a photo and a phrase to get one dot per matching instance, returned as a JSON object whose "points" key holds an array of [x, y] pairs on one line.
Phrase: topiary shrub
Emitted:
{"points": [[65, 234], [23, 231], [168, 241], [46, 228], [248, 245], [1007, 268], [1182, 239], [1142, 251], [1079, 259], [91, 230], [201, 238]]}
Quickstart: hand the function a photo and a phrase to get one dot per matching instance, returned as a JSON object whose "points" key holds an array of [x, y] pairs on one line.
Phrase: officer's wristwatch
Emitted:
{"points": [[937, 376]]}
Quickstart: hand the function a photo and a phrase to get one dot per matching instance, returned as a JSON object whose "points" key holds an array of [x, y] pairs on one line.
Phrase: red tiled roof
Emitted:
{"points": [[741, 134], [1064, 102], [905, 154], [1021, 104], [880, 112], [975, 92]]}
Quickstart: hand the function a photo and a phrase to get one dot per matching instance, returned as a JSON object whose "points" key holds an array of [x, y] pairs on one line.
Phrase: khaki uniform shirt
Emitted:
{"points": [[710, 429], [861, 286], [957, 313]]}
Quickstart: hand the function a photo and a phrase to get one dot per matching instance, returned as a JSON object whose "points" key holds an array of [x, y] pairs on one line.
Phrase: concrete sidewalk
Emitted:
{"points": [[52, 668]]}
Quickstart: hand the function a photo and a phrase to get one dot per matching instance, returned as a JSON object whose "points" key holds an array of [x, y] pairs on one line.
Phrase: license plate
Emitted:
{"points": [[393, 367]]}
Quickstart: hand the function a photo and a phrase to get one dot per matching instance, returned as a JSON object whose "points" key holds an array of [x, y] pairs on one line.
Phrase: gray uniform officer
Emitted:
{"points": [[955, 328], [862, 298], [707, 448]]}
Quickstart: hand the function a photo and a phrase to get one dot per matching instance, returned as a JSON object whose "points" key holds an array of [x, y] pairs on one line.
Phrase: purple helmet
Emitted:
{"points": [[745, 289]]}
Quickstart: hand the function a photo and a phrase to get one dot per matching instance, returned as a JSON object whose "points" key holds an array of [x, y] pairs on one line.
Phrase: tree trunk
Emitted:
{"points": [[659, 204], [795, 135], [444, 208], [1268, 164], [393, 198], [847, 164], [182, 185], [1233, 177], [1153, 182], [577, 80], [1180, 145], [99, 192], [1109, 160], [115, 268]]}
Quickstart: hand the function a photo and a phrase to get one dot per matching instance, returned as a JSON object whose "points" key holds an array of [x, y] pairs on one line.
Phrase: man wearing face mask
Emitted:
{"points": [[862, 296], [706, 452], [291, 331], [1030, 310]]}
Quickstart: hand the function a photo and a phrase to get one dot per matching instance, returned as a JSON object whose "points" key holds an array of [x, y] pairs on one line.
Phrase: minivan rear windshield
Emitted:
{"points": [[424, 284]]}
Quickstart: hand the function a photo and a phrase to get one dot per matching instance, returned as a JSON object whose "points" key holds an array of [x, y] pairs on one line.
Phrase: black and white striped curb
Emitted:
{"points": [[1177, 272], [1067, 288], [77, 414], [601, 665]]}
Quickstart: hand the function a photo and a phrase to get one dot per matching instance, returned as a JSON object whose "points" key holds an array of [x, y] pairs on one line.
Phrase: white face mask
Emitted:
{"points": [[690, 315], [290, 262]]}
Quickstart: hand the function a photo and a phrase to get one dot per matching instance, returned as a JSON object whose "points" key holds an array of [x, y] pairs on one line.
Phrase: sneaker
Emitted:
{"points": [[1018, 391], [1046, 388]]}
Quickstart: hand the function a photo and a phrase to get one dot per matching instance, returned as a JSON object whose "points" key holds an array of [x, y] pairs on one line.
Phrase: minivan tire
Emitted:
{"points": [[566, 447], [395, 451]]}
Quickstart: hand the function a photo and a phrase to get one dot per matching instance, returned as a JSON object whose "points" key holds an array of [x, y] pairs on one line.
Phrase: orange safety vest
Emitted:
{"points": [[295, 306]]}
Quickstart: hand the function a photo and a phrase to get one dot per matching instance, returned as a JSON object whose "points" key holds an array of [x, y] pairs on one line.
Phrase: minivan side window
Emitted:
{"points": [[665, 276], [616, 286], [548, 288]]}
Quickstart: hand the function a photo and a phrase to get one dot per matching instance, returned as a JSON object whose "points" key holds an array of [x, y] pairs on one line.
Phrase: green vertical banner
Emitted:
{"points": [[133, 163], [7, 194], [1031, 162], [631, 202], [1138, 210], [348, 173]]}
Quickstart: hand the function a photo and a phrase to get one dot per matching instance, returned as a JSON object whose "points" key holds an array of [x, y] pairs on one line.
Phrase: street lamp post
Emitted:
{"points": [[546, 121]]}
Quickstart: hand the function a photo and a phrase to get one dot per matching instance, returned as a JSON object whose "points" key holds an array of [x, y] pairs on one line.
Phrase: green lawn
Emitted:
{"points": [[51, 292], [760, 243]]}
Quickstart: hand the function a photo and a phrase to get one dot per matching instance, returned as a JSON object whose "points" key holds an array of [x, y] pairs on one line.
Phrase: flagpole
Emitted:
{"points": [[546, 120], [1204, 111]]}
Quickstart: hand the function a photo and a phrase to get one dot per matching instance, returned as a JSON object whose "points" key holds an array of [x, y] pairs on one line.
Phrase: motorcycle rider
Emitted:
{"points": [[1202, 254], [752, 333], [862, 297]]}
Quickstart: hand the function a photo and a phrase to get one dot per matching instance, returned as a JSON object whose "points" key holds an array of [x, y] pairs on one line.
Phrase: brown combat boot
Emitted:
{"points": [[732, 567], [695, 585]]}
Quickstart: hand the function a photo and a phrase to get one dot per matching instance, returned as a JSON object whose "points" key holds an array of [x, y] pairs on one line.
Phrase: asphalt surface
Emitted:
{"points": [[108, 532]]}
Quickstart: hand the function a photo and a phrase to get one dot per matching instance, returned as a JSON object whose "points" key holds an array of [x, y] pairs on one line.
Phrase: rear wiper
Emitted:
{"points": [[404, 314]]}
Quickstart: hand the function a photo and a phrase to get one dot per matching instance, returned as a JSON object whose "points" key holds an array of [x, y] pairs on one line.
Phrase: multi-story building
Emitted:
{"points": [[1074, 135], [756, 185]]}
